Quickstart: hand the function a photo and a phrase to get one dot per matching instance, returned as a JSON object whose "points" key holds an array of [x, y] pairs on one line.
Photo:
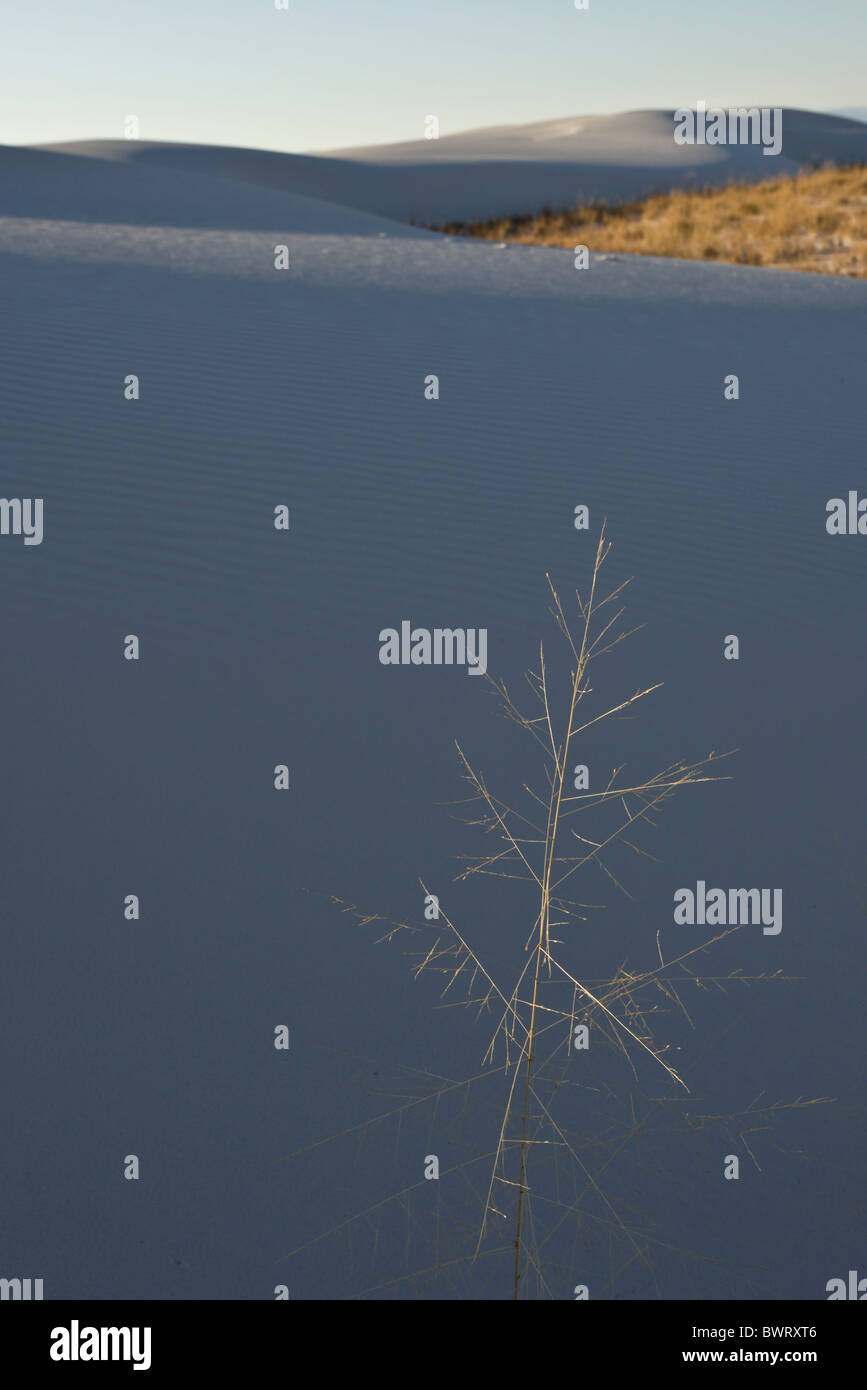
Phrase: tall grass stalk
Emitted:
{"points": [[553, 834]]}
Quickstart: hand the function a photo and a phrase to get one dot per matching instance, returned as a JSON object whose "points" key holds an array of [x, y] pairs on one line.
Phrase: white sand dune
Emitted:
{"points": [[50, 184], [306, 387], [506, 169]]}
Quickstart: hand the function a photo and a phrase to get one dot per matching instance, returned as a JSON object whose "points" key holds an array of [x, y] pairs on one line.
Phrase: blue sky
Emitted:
{"points": [[330, 73]]}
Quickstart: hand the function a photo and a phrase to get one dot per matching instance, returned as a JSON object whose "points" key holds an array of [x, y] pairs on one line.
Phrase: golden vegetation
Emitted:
{"points": [[816, 221], [550, 1140]]}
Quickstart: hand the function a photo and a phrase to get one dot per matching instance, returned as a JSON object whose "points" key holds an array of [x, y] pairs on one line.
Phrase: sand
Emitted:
{"points": [[305, 387]]}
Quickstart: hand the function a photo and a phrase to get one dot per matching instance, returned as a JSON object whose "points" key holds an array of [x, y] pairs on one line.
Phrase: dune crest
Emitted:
{"points": [[502, 170]]}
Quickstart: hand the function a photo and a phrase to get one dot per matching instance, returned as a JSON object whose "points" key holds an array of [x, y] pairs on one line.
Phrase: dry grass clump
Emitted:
{"points": [[549, 1145], [816, 220]]}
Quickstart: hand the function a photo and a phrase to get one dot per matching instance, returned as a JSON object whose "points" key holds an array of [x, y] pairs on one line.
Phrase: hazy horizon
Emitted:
{"points": [[851, 113], [308, 79]]}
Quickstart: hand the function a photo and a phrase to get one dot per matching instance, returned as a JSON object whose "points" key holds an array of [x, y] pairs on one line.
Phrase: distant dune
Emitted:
{"points": [[853, 113], [503, 170], [167, 191]]}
